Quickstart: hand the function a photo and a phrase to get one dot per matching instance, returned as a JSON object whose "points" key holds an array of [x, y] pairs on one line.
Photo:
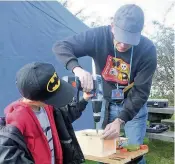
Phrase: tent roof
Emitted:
{"points": [[28, 32]]}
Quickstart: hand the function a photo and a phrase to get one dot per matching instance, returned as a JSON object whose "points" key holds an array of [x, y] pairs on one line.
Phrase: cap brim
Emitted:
{"points": [[63, 96], [126, 36]]}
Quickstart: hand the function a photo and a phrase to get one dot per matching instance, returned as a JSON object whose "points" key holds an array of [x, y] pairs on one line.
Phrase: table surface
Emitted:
{"points": [[118, 158], [164, 136], [168, 110]]}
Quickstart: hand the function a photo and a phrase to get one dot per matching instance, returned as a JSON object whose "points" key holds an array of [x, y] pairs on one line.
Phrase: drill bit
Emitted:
{"points": [[96, 128]]}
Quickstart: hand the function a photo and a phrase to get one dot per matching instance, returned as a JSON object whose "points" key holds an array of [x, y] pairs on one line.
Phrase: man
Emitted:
{"points": [[126, 60]]}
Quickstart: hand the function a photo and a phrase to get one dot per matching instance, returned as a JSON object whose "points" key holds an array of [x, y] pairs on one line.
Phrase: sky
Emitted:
{"points": [[153, 9]]}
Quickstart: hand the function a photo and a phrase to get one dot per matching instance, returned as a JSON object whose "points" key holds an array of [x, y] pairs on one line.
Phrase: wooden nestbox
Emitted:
{"points": [[92, 144]]}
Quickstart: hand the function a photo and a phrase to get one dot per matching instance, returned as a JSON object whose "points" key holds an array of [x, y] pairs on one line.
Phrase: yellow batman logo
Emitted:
{"points": [[53, 83]]}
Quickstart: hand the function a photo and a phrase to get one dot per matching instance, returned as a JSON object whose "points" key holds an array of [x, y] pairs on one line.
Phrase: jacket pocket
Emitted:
{"points": [[70, 153]]}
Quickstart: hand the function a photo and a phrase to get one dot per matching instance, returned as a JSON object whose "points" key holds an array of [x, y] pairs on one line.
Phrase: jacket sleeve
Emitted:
{"points": [[10, 151], [74, 110], [68, 50], [139, 93]]}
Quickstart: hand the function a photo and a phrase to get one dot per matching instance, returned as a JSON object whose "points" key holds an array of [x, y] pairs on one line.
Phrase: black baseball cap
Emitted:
{"points": [[128, 24], [39, 82]]}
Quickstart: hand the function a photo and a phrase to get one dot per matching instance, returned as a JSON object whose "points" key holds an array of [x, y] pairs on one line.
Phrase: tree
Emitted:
{"points": [[79, 13], [64, 3], [163, 82]]}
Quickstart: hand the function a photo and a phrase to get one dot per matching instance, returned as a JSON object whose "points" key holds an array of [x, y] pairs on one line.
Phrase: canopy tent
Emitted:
{"points": [[28, 31]]}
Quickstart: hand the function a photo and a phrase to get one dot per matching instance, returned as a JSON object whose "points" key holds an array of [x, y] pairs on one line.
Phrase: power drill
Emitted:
{"points": [[97, 92]]}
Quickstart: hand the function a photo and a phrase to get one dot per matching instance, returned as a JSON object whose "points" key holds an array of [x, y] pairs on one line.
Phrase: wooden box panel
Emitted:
{"points": [[92, 144]]}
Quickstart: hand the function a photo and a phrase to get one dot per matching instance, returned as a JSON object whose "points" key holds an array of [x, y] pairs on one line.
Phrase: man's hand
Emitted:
{"points": [[85, 78], [112, 130]]}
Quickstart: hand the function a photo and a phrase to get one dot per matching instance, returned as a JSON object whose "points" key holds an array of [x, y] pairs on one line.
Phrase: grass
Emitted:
{"points": [[159, 153]]}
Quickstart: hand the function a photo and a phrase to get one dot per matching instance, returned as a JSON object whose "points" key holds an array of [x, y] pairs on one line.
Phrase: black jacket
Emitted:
{"points": [[13, 149]]}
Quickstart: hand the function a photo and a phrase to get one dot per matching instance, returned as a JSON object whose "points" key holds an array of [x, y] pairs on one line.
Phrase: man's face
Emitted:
{"points": [[121, 47]]}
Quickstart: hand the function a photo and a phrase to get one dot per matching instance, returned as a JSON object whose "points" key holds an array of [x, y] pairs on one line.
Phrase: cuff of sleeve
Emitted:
{"points": [[83, 101], [72, 64], [124, 116], [82, 104]]}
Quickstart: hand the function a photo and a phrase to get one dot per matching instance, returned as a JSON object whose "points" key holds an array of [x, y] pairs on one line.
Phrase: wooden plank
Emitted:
{"points": [[165, 136], [118, 158], [107, 160], [169, 110], [91, 143], [168, 122]]}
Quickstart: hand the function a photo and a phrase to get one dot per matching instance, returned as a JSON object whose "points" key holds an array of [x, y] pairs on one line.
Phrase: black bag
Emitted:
{"points": [[156, 128]]}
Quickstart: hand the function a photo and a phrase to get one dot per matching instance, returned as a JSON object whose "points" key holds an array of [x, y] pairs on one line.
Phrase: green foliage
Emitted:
{"points": [[160, 152], [163, 81]]}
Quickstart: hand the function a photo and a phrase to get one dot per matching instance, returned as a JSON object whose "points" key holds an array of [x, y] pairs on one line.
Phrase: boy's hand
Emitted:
{"points": [[87, 96]]}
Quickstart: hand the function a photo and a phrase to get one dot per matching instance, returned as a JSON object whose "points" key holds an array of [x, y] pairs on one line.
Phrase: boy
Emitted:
{"points": [[38, 126]]}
